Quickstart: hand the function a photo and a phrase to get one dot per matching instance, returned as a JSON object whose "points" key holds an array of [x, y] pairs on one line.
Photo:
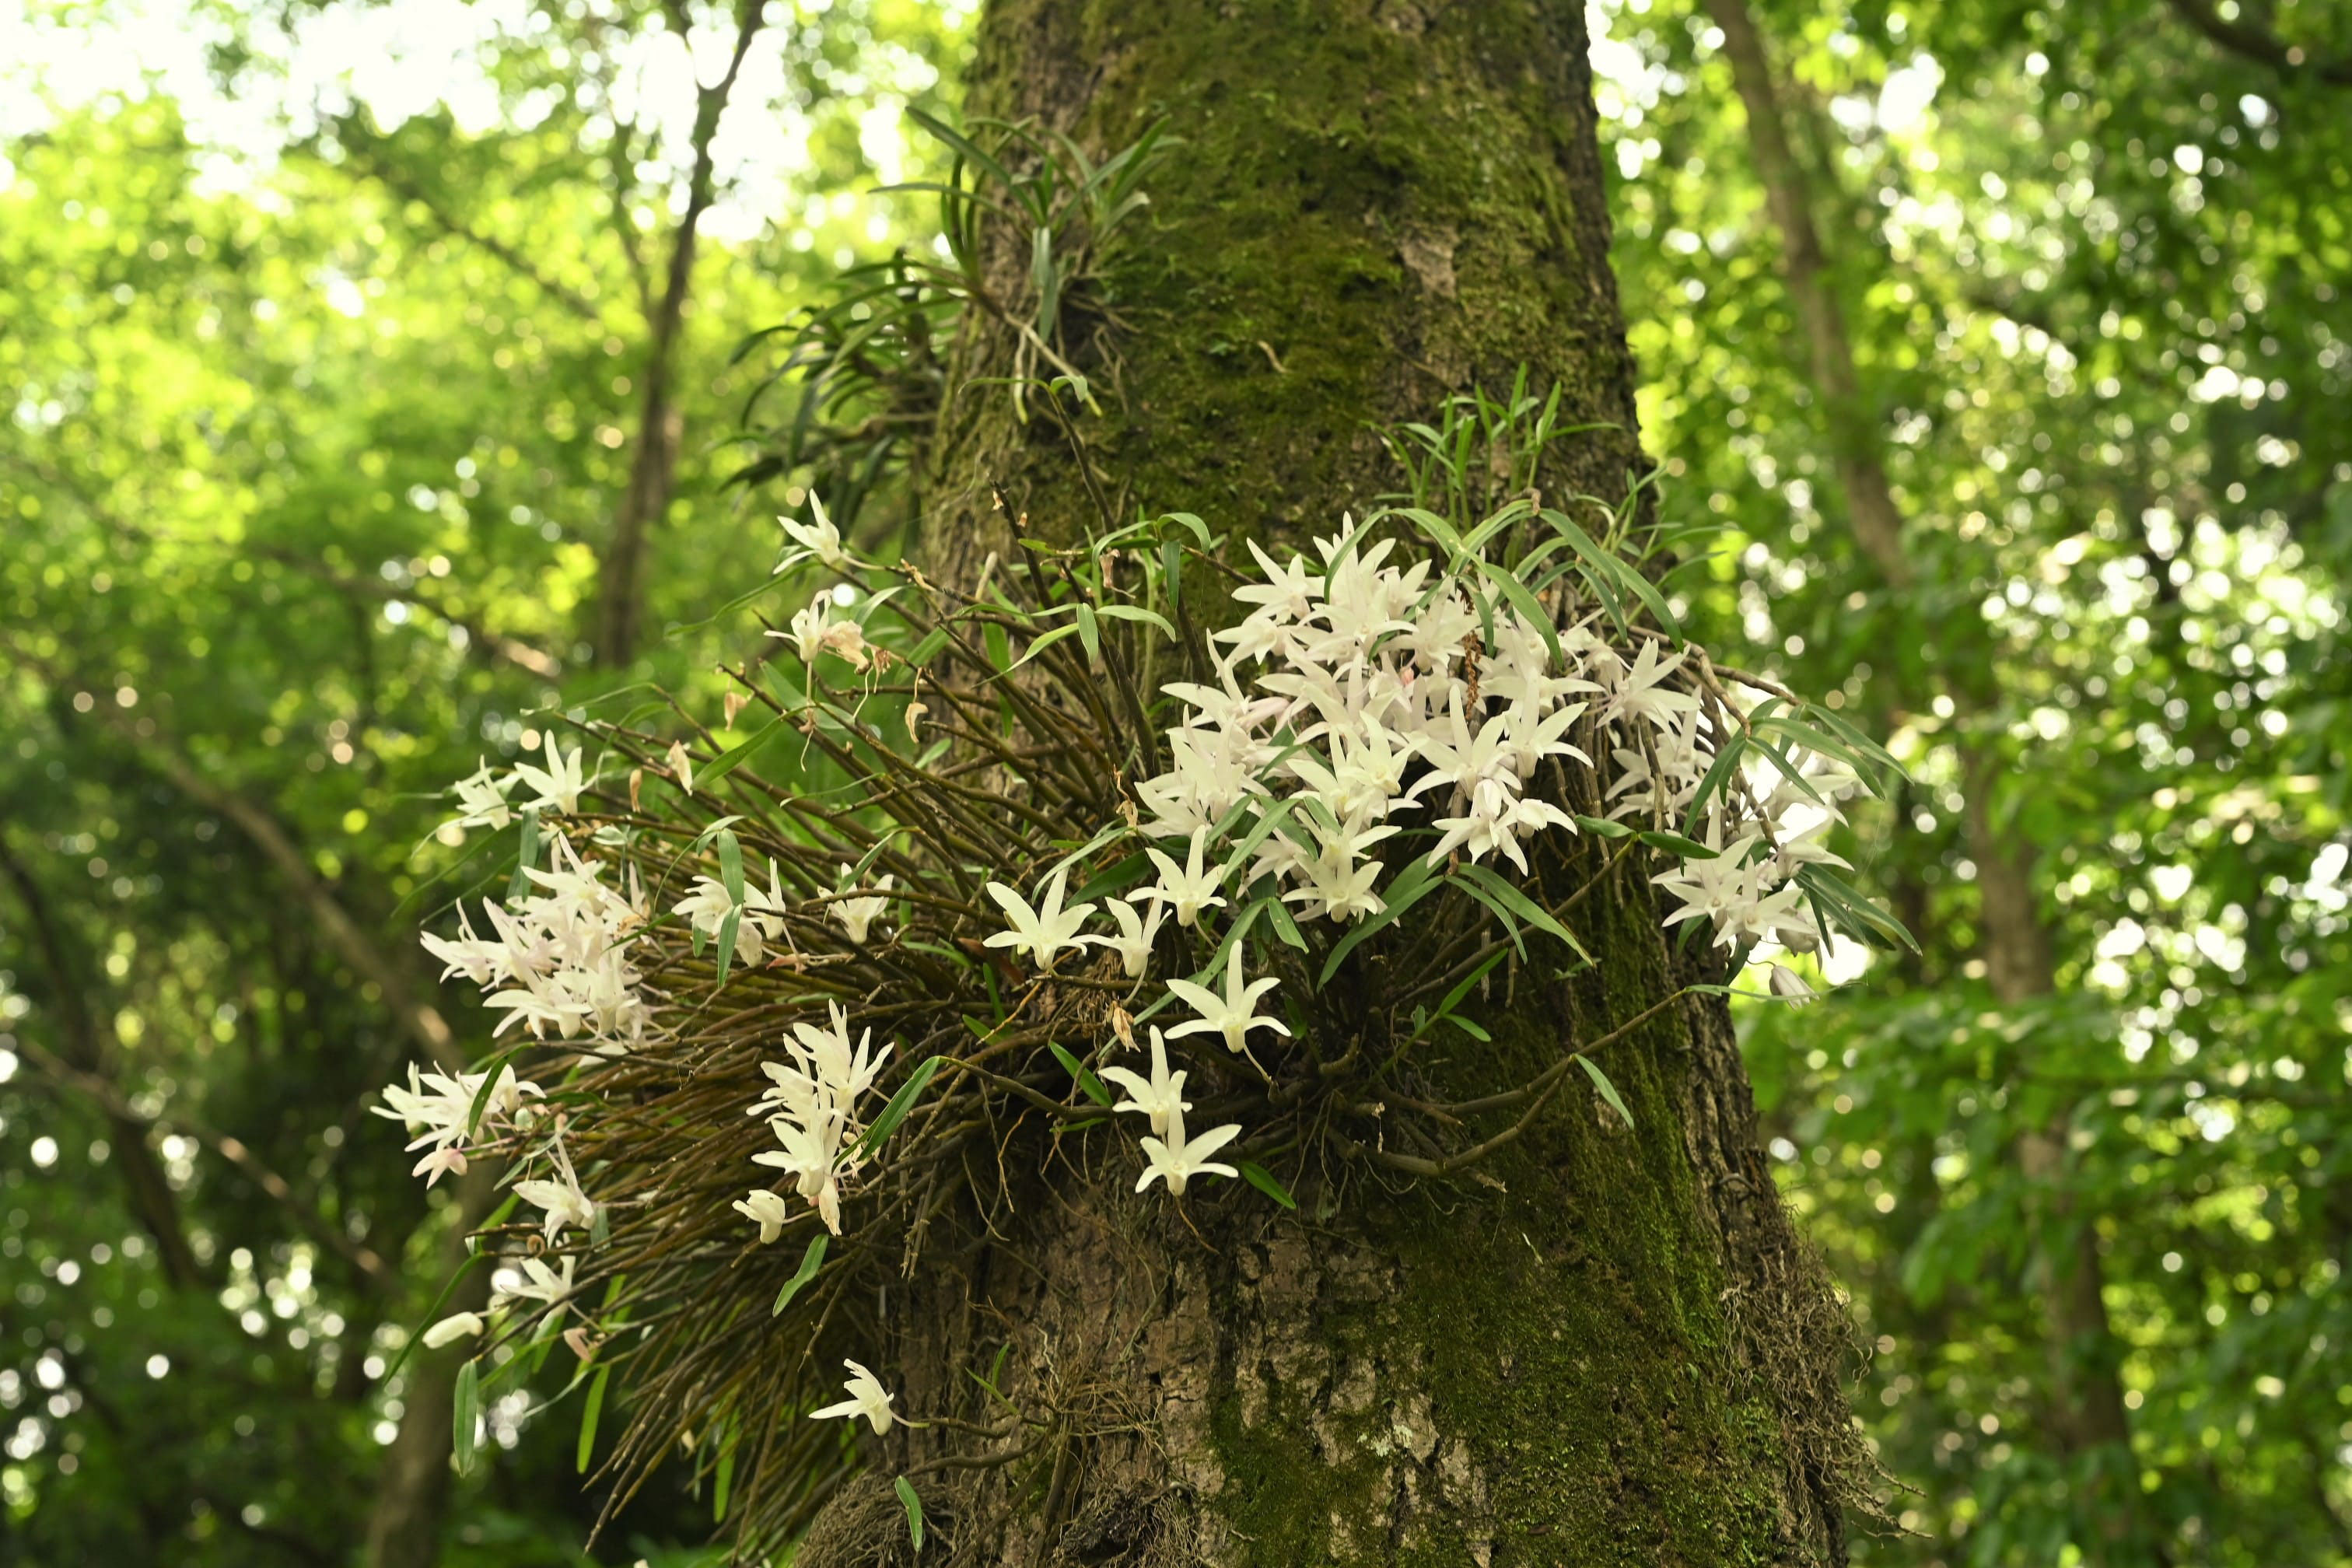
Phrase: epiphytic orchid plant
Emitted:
{"points": [[1282, 813]]}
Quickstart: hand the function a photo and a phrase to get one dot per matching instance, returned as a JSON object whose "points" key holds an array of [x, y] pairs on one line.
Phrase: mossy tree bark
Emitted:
{"points": [[1609, 1346]]}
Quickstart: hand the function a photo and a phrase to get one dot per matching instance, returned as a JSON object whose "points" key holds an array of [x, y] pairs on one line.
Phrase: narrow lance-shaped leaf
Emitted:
{"points": [[519, 889], [465, 1414], [1259, 1176], [1608, 1090], [914, 1507], [811, 1261], [1526, 908], [588, 1415], [1086, 1080], [900, 1104]]}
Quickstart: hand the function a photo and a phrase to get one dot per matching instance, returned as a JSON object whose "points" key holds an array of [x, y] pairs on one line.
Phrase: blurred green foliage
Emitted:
{"points": [[2097, 295], [305, 477], [306, 483]]}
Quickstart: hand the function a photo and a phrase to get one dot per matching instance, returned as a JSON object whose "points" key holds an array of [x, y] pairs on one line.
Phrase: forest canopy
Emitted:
{"points": [[414, 393]]}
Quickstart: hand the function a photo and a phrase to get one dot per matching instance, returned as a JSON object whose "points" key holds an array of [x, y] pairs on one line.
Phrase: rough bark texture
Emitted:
{"points": [[1609, 1349], [1610, 1346]]}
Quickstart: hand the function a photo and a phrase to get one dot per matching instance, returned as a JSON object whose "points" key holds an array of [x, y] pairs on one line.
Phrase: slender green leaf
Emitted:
{"points": [[900, 1104], [729, 929], [1436, 527], [1134, 612], [1077, 1069], [433, 1314], [811, 1261], [1233, 939], [1412, 885], [1462, 988], [1284, 926], [1529, 612], [914, 1506], [968, 150], [1526, 908], [519, 889], [1200, 530], [724, 1481], [465, 1414], [588, 1414], [1718, 778], [1857, 914], [859, 873], [1608, 1090], [1117, 877], [1619, 572], [495, 1070], [1267, 822], [736, 756], [731, 865], [1039, 645], [1259, 1176], [1676, 844], [1496, 907], [1853, 736], [702, 839]]}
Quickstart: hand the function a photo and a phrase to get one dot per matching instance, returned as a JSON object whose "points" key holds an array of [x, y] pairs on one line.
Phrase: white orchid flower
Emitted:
{"points": [[1043, 931], [868, 1398]]}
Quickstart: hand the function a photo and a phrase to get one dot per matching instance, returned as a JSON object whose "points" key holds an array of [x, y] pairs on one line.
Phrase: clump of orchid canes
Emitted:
{"points": [[999, 831]]}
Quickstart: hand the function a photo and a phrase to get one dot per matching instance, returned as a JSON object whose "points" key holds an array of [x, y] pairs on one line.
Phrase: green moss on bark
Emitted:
{"points": [[1375, 206], [1555, 1355]]}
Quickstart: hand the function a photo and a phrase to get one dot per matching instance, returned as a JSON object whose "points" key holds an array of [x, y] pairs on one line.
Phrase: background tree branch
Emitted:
{"points": [[653, 456], [2253, 42]]}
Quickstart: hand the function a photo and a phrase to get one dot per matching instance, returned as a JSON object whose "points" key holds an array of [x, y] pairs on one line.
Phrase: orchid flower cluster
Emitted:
{"points": [[558, 959], [437, 1109], [1361, 695], [442, 1113], [485, 799], [811, 1106]]}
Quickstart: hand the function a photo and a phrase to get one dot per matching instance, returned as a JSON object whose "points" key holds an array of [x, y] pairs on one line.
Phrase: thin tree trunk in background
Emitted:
{"points": [[413, 1486], [2085, 1355], [653, 460], [1612, 1348], [1855, 448]]}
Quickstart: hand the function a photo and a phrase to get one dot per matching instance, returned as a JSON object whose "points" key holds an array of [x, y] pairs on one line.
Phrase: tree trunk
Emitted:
{"points": [[1856, 447], [661, 426], [1612, 1346]]}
